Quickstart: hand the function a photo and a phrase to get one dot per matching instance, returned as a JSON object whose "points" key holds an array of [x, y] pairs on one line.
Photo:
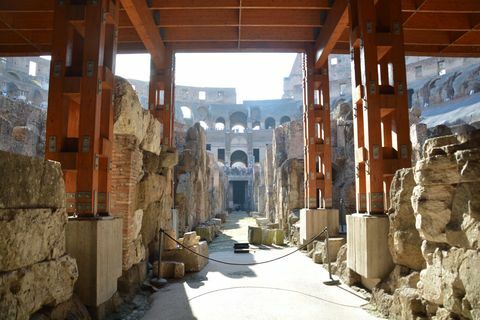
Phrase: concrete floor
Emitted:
{"points": [[291, 288]]}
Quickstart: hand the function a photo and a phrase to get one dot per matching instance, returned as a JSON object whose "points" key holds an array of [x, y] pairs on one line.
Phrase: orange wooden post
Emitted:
{"points": [[318, 162], [80, 115], [160, 99], [382, 142]]}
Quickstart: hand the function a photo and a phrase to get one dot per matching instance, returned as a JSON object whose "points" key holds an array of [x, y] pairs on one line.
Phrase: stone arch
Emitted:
{"points": [[285, 119], [202, 113], [238, 119], [186, 112], [270, 123], [238, 156], [220, 123]]}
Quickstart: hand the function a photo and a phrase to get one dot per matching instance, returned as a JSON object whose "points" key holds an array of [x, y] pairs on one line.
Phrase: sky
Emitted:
{"points": [[256, 76]]}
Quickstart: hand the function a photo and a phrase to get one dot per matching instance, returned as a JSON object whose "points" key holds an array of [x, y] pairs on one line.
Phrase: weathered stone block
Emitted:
{"points": [[206, 233], [268, 236], [279, 237], [97, 247], [30, 236], [262, 222], [255, 235], [170, 269], [41, 182], [368, 253], [192, 261], [452, 280], [403, 238], [169, 158], [190, 239], [26, 290]]}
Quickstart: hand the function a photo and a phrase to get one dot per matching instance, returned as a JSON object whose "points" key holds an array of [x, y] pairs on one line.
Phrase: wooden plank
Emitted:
{"points": [[234, 4], [337, 21], [142, 19]]}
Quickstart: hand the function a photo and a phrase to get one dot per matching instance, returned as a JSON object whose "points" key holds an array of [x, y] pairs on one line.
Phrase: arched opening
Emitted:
{"points": [[203, 124], [269, 123], [186, 112], [256, 125], [239, 159], [220, 124], [238, 120], [202, 113], [285, 119], [238, 128]]}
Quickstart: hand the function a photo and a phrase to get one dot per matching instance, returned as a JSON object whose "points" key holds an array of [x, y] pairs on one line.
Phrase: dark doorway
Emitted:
{"points": [[239, 194]]}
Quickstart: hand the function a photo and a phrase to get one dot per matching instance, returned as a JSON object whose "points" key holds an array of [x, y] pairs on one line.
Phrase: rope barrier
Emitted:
{"points": [[244, 264]]}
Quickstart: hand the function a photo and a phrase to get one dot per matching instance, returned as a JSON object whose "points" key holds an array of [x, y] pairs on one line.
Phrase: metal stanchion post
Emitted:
{"points": [[331, 282], [159, 281]]}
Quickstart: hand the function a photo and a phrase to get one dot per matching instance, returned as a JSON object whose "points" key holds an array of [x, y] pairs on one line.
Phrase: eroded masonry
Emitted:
{"points": [[108, 189]]}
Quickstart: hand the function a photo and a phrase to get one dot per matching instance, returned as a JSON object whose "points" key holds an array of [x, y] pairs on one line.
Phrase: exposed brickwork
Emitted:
{"points": [[126, 171]]}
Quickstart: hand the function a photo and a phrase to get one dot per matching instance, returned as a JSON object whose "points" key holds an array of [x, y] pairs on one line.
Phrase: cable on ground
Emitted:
{"points": [[244, 264]]}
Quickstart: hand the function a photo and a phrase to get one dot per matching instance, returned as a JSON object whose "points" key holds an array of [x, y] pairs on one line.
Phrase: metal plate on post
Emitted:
{"points": [[86, 144], [52, 144]]}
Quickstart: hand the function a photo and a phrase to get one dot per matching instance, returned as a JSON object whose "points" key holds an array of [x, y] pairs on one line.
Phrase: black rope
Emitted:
{"points": [[244, 264]]}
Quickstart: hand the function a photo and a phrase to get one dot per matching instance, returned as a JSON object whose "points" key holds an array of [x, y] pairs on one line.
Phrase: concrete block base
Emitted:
{"points": [[97, 247], [313, 221], [368, 253]]}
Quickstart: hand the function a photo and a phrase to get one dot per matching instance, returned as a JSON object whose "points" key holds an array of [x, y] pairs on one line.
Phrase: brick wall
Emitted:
{"points": [[126, 170]]}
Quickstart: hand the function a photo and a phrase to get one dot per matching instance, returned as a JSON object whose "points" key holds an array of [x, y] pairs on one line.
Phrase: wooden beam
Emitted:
{"points": [[234, 4], [337, 21], [141, 17], [445, 6], [229, 17], [438, 21]]}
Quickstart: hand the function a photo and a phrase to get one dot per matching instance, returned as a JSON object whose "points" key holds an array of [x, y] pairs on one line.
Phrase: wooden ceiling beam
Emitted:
{"points": [[14, 37], [229, 17], [438, 21], [334, 27], [141, 17], [234, 4], [443, 6], [26, 6], [24, 50]]}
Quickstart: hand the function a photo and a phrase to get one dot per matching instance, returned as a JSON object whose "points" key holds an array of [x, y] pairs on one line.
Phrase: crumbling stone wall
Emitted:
{"points": [[434, 234], [22, 128], [281, 185], [35, 271], [141, 178], [199, 181]]}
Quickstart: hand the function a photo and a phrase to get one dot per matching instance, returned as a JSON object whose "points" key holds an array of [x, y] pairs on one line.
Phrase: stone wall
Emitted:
{"points": [[141, 177], [22, 127], [279, 184], [434, 234], [35, 271], [199, 181]]}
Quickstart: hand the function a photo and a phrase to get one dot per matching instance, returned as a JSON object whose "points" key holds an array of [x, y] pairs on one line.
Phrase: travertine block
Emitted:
{"points": [[29, 236], [30, 182]]}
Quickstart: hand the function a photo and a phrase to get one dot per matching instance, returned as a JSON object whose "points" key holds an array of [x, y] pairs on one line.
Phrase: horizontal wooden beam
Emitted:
{"points": [[229, 17], [141, 17], [439, 21], [445, 6], [235, 4], [335, 25]]}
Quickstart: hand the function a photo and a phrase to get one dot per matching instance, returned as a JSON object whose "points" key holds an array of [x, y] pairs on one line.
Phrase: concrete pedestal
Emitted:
{"points": [[97, 247], [313, 221], [368, 253]]}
